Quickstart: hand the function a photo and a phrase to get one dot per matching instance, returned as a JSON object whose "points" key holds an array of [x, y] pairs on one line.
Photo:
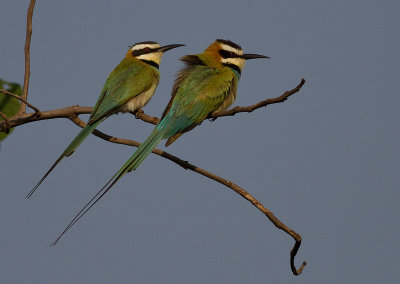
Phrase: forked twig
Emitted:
{"points": [[65, 112], [7, 123], [37, 111]]}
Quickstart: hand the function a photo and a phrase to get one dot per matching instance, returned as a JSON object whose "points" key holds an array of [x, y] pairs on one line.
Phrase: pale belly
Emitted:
{"points": [[139, 101], [227, 102]]}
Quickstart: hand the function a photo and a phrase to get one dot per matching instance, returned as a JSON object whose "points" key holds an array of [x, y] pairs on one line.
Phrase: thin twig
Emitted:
{"points": [[7, 122], [21, 99], [140, 114], [66, 112], [188, 166], [27, 54], [76, 110], [264, 103]]}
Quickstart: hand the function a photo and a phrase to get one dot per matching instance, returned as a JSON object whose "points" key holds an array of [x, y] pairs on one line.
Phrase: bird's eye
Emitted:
{"points": [[147, 49], [227, 54]]}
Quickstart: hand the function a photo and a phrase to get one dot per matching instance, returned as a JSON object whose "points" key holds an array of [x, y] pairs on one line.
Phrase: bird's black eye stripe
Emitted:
{"points": [[227, 54], [139, 52]]}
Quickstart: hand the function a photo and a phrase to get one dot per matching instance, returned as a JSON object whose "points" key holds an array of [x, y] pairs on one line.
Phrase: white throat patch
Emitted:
{"points": [[154, 56], [239, 62]]}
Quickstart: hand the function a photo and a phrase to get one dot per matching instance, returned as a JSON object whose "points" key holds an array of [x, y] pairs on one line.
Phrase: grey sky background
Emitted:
{"points": [[326, 161]]}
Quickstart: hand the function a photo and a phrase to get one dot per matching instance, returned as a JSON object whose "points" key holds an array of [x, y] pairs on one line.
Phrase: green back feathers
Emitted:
{"points": [[198, 91], [130, 78]]}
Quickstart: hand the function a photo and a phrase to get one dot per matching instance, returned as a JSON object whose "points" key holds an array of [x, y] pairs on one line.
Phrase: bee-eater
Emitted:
{"points": [[207, 83], [128, 88]]}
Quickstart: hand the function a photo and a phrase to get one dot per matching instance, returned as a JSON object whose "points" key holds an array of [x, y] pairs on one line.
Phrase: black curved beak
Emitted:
{"points": [[253, 56], [168, 47]]}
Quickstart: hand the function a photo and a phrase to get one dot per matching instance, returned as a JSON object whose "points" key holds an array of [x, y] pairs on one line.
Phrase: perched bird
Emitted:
{"points": [[128, 88], [206, 84]]}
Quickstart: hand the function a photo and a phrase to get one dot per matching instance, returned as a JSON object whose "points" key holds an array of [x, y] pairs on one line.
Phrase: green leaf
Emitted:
{"points": [[9, 106]]}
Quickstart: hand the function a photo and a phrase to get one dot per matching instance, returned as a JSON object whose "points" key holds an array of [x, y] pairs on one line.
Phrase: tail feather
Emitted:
{"points": [[44, 177], [144, 150], [87, 206], [80, 137], [133, 163], [70, 149]]}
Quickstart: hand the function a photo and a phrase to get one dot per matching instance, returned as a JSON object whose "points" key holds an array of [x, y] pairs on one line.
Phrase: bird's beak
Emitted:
{"points": [[168, 47], [253, 56]]}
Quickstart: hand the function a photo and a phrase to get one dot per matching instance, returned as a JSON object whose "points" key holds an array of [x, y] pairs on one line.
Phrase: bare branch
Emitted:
{"points": [[7, 123], [27, 55], [293, 253], [264, 103], [76, 110], [139, 114], [21, 99], [238, 109], [50, 114], [188, 166]]}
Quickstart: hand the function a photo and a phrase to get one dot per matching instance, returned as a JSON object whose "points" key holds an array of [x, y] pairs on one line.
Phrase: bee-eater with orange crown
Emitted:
{"points": [[129, 87], [207, 83]]}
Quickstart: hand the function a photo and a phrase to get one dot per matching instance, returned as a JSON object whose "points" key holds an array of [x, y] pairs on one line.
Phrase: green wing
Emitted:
{"points": [[130, 78], [198, 92]]}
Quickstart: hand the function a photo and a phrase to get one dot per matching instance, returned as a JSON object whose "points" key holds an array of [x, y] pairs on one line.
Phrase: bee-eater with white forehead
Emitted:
{"points": [[129, 87], [208, 83]]}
